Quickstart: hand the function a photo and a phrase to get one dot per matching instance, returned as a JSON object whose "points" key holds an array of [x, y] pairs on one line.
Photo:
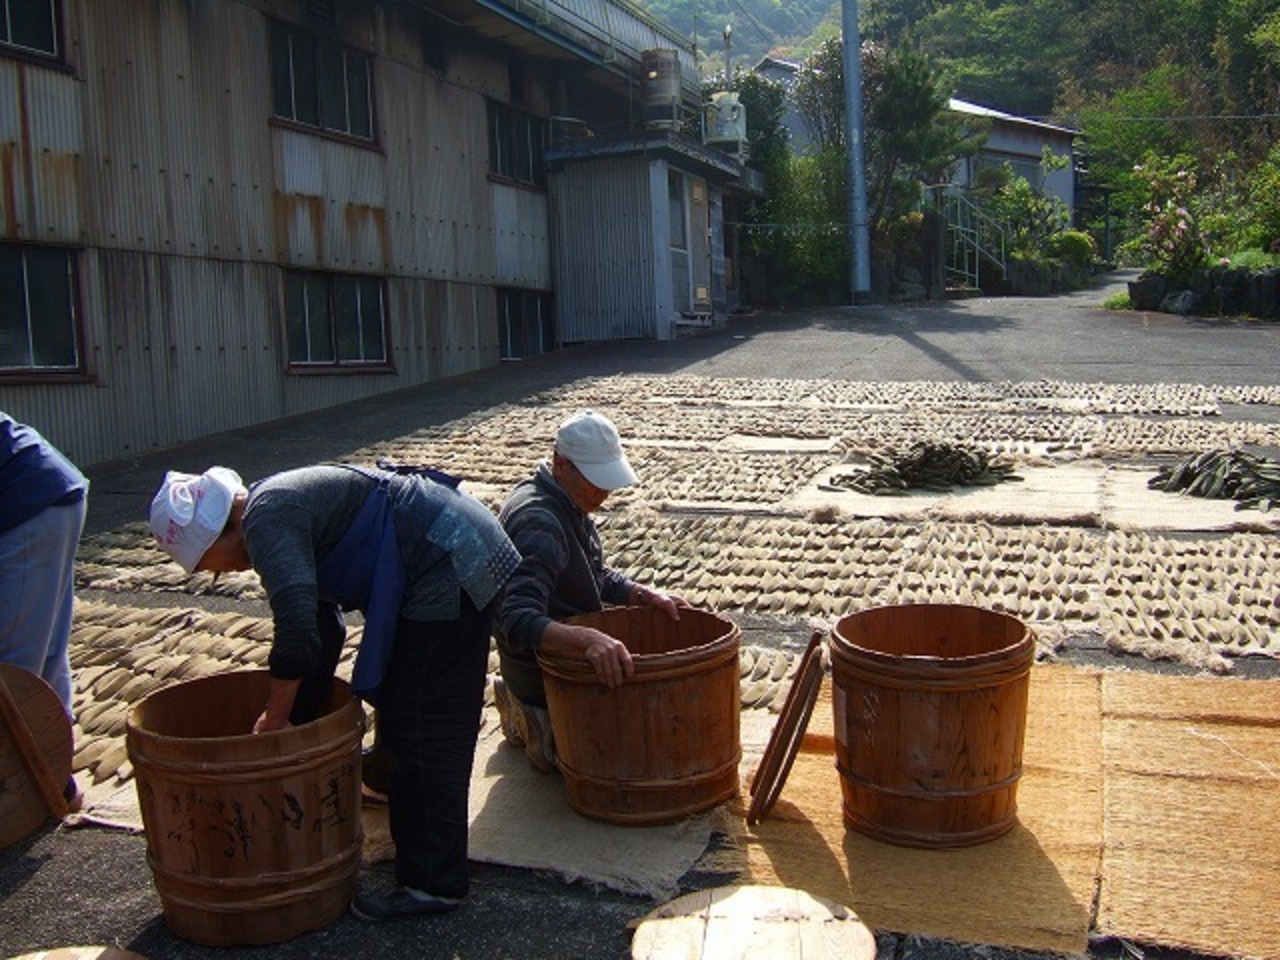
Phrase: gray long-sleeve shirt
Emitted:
{"points": [[562, 571], [448, 542]]}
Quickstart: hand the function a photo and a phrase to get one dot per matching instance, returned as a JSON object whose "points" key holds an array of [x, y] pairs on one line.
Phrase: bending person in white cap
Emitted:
{"points": [[424, 563], [562, 573]]}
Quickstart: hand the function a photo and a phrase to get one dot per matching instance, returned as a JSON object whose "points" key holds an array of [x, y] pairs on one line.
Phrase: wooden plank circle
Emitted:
{"points": [[35, 753], [82, 953], [749, 922]]}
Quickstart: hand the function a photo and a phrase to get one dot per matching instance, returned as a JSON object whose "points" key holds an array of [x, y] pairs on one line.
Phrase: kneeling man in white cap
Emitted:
{"points": [[562, 573]]}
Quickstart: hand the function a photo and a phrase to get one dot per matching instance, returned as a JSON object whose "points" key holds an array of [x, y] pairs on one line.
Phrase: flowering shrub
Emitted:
{"points": [[1073, 246], [1172, 241]]}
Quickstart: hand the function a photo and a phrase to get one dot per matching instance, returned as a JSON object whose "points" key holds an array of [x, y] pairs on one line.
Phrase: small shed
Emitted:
{"points": [[637, 226]]}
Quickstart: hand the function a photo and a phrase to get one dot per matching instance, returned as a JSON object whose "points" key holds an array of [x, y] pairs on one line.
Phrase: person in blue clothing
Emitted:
{"points": [[424, 562], [43, 501]]}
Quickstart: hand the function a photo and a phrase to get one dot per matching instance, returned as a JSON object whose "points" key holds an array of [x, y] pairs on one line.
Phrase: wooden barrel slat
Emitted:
{"points": [[930, 705], [251, 838], [664, 745]]}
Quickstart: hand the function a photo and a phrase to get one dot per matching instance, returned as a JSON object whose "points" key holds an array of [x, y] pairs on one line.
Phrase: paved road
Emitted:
{"points": [[63, 888]]}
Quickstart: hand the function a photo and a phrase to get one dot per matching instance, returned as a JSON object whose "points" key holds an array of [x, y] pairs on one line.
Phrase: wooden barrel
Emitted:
{"points": [[930, 710], [663, 745], [251, 839]]}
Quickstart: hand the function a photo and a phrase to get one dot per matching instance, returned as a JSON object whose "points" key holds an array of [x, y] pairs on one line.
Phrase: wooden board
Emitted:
{"points": [[35, 753], [788, 732], [82, 953], [752, 923]]}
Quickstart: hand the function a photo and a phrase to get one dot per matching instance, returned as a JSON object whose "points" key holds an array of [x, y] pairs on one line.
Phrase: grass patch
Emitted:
{"points": [[1118, 301]]}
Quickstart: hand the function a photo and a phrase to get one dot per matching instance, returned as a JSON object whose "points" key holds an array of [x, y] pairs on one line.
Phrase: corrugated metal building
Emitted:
{"points": [[222, 212]]}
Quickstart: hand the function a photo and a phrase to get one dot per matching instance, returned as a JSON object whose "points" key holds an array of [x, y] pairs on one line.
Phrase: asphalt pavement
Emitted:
{"points": [[64, 887]]}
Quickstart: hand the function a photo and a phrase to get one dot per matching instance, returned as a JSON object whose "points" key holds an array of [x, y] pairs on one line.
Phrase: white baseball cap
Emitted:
{"points": [[189, 512], [590, 441]]}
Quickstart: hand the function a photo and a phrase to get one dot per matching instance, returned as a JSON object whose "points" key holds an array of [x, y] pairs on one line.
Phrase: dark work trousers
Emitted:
{"points": [[429, 714], [521, 673]]}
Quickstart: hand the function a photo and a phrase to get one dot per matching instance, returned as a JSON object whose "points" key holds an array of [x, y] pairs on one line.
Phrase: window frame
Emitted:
{"points": [[333, 295], [74, 319], [516, 154], [56, 56], [315, 81], [542, 316]]}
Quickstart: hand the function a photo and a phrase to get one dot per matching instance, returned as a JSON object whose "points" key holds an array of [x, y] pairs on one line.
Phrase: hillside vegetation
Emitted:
{"points": [[1176, 104]]}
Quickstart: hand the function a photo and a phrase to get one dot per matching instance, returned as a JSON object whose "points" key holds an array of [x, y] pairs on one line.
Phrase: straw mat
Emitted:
{"points": [[1192, 799], [1033, 888], [520, 818]]}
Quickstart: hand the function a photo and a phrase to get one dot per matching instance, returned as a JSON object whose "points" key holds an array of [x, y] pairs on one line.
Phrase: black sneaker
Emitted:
{"points": [[400, 903]]}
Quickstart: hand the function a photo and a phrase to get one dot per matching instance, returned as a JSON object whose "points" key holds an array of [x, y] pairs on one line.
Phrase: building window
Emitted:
{"points": [[516, 143], [320, 83], [525, 324], [675, 204], [438, 39], [38, 323], [31, 26], [335, 320]]}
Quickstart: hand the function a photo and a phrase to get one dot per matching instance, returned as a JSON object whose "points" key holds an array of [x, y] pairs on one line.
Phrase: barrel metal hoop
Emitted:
{"points": [[303, 882], [923, 793], [245, 771], [685, 783]]}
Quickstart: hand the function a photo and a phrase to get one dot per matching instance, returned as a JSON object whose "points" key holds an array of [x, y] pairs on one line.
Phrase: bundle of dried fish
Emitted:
{"points": [[926, 466], [1253, 481]]}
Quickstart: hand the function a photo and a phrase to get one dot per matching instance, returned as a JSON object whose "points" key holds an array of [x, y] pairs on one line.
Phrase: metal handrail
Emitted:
{"points": [[972, 235]]}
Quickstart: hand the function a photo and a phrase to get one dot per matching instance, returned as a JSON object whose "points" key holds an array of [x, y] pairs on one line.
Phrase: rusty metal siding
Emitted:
{"points": [[602, 225], [176, 100], [40, 150], [440, 204], [159, 158], [330, 204]]}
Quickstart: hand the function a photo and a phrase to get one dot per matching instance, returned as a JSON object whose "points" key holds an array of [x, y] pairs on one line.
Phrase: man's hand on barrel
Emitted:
{"points": [[668, 603], [608, 656]]}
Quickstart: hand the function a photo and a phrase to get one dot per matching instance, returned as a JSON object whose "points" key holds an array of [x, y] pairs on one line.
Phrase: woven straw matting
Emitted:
{"points": [[1192, 800], [1032, 888], [1154, 796]]}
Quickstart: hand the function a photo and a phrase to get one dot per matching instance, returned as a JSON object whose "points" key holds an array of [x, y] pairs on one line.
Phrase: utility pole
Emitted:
{"points": [[728, 39], [859, 234]]}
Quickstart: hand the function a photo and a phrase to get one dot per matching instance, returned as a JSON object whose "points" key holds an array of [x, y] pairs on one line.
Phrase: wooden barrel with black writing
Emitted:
{"points": [[930, 710], [251, 838], [665, 744]]}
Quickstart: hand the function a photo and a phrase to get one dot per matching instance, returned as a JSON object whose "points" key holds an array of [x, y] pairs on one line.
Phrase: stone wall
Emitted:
{"points": [[1215, 291]]}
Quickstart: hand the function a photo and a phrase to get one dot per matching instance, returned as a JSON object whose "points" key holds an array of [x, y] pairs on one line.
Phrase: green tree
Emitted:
{"points": [[910, 137]]}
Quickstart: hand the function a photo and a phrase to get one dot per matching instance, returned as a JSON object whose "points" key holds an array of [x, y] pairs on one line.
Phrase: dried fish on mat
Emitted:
{"points": [[926, 466], [1251, 480]]}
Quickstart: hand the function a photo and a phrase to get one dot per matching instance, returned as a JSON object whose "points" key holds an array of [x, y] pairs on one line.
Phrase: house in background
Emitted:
{"points": [[222, 212], [1018, 141], [784, 72], [1021, 144]]}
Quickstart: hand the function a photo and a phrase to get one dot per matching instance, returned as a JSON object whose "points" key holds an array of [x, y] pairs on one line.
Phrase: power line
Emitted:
{"points": [[1179, 117]]}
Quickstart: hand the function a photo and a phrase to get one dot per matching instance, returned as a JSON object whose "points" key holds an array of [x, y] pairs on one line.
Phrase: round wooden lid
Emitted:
{"points": [[784, 741], [35, 753], [733, 923]]}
